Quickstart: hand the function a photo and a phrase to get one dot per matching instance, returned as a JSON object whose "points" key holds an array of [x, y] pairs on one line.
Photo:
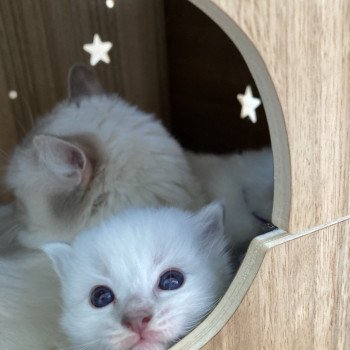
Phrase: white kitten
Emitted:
{"points": [[90, 157], [96, 154], [142, 279], [244, 183]]}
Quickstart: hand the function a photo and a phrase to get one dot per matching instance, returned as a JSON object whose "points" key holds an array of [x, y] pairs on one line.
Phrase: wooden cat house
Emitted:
{"points": [[292, 290]]}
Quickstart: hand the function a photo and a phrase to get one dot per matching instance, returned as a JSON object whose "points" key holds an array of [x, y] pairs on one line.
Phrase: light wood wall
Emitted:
{"points": [[291, 292], [299, 299]]}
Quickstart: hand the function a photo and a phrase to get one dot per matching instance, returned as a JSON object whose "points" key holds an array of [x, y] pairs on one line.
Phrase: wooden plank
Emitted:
{"points": [[8, 132], [143, 67], [42, 39], [299, 298], [305, 51]]}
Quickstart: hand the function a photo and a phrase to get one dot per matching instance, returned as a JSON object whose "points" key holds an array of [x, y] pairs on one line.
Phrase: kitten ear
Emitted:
{"points": [[211, 220], [65, 160], [61, 255], [82, 82]]}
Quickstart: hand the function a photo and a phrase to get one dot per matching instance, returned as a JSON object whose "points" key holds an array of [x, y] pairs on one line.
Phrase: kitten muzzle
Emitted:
{"points": [[137, 324]]}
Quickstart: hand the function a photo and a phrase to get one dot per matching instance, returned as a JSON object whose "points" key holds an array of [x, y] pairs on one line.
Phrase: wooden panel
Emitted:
{"points": [[299, 298], [305, 47], [141, 42], [41, 39]]}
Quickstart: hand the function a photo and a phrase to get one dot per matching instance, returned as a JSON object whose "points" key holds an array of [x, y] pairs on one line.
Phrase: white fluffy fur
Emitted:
{"points": [[244, 184], [131, 160], [29, 303], [140, 165], [137, 164], [128, 253]]}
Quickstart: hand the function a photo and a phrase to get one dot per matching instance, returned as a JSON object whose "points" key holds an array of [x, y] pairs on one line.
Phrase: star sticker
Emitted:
{"points": [[13, 94], [249, 104], [98, 50]]}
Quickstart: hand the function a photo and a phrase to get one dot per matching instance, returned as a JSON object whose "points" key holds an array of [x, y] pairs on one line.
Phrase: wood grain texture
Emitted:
{"points": [[299, 299], [8, 132], [142, 56], [41, 39], [305, 47]]}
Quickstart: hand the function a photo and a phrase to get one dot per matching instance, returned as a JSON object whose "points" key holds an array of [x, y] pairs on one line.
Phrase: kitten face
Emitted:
{"points": [[90, 157], [142, 280]]}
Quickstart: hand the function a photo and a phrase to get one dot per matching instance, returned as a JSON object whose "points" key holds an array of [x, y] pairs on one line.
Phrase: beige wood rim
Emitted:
{"points": [[282, 183]]}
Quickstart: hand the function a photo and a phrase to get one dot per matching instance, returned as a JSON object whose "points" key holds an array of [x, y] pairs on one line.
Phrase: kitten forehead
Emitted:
{"points": [[164, 233], [138, 245]]}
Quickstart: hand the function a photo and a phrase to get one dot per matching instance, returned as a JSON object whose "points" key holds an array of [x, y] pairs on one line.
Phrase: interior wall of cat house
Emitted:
{"points": [[168, 58], [206, 72], [41, 40]]}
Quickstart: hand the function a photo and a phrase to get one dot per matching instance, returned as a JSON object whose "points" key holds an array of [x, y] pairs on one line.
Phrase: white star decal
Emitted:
{"points": [[13, 94], [98, 50], [249, 104]]}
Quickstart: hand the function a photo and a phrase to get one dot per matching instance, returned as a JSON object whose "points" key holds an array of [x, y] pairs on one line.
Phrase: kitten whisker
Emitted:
{"points": [[10, 230], [85, 345], [20, 125], [30, 114]]}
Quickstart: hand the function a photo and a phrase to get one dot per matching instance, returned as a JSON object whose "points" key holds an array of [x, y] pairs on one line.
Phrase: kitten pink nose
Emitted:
{"points": [[137, 324]]}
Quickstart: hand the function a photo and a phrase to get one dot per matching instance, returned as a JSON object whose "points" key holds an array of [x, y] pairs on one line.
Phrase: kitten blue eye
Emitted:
{"points": [[171, 279], [101, 296]]}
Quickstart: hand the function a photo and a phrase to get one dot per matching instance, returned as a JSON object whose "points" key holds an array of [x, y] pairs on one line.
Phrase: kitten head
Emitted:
{"points": [[143, 279], [90, 157]]}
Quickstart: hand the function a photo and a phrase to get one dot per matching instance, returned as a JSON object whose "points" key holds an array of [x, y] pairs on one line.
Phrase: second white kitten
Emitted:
{"points": [[244, 184]]}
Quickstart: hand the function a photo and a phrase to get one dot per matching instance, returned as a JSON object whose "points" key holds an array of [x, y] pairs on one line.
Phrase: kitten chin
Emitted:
{"points": [[143, 279]]}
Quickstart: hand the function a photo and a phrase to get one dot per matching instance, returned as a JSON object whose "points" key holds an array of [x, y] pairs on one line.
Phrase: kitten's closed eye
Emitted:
{"points": [[171, 279], [101, 296]]}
